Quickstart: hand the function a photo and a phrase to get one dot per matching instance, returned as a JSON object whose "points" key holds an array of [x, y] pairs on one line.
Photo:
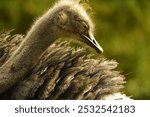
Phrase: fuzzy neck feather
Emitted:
{"points": [[40, 36]]}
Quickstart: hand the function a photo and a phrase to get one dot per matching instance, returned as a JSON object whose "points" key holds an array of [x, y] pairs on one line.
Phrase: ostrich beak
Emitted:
{"points": [[91, 41]]}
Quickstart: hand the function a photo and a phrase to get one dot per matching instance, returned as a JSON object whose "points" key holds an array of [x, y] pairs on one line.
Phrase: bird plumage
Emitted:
{"points": [[30, 69], [63, 72]]}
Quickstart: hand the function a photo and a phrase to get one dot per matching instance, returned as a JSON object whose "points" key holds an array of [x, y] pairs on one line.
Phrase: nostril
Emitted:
{"points": [[94, 42]]}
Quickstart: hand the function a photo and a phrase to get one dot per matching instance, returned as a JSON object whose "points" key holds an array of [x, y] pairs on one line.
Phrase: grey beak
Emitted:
{"points": [[91, 41]]}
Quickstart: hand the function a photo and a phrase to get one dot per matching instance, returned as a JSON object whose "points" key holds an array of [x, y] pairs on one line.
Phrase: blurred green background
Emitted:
{"points": [[122, 28]]}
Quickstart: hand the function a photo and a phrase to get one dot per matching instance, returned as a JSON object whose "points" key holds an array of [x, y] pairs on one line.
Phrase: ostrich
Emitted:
{"points": [[63, 20], [37, 70]]}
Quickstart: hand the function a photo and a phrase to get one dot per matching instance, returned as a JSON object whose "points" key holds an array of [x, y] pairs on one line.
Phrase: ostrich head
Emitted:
{"points": [[72, 20]]}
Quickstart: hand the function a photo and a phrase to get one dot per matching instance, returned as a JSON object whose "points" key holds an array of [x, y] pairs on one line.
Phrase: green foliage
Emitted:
{"points": [[122, 28]]}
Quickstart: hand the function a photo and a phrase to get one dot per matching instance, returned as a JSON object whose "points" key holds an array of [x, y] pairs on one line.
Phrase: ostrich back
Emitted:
{"points": [[62, 73]]}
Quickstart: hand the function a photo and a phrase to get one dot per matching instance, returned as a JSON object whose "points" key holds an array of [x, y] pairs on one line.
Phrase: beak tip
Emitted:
{"points": [[100, 49]]}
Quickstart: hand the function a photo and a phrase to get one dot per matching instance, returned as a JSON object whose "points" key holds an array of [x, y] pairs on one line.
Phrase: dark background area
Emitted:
{"points": [[122, 29]]}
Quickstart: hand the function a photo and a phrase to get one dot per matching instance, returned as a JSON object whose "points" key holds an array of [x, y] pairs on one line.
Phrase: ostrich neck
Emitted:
{"points": [[35, 43], [25, 57]]}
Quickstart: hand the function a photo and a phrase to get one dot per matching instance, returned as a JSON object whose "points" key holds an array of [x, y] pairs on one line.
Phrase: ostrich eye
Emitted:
{"points": [[82, 26]]}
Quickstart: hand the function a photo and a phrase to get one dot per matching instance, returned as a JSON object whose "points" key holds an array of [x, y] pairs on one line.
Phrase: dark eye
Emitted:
{"points": [[82, 26]]}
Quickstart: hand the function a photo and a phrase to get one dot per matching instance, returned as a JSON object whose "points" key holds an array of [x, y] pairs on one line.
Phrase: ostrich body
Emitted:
{"points": [[63, 20], [63, 72]]}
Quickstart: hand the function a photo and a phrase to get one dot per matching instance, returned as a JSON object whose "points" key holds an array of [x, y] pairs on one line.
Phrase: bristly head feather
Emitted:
{"points": [[82, 7]]}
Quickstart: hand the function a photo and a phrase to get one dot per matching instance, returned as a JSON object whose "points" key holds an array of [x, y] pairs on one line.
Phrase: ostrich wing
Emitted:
{"points": [[63, 73]]}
